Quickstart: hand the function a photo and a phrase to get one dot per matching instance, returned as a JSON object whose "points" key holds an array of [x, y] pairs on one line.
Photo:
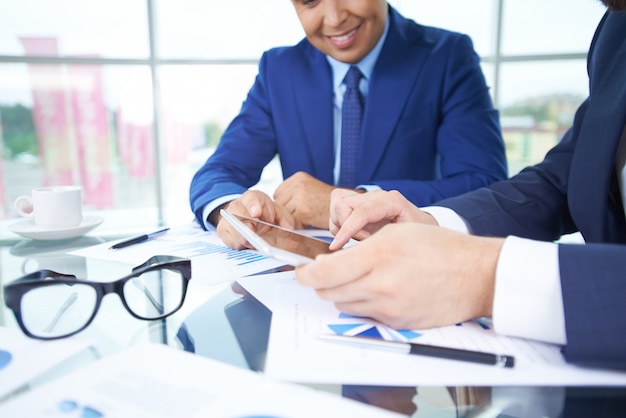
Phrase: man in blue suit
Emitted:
{"points": [[569, 294], [429, 127]]}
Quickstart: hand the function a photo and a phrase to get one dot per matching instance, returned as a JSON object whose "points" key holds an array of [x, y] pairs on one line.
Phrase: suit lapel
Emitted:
{"points": [[594, 208], [394, 74], [592, 205]]}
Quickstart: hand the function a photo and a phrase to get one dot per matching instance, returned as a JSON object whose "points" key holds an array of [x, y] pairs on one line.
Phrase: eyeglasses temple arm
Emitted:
{"points": [[139, 284], [66, 305]]}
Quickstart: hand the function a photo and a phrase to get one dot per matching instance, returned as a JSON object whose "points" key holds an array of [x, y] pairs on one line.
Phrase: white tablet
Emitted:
{"points": [[274, 241]]}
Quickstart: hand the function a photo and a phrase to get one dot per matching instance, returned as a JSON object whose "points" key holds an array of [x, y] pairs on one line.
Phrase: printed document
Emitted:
{"points": [[212, 262], [152, 380], [23, 359], [296, 353]]}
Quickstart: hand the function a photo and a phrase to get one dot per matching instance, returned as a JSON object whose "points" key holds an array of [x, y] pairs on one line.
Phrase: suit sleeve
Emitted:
{"points": [[470, 149], [246, 147], [532, 204], [593, 282]]}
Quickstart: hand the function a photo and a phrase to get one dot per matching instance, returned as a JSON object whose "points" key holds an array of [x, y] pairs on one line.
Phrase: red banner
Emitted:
{"points": [[92, 135], [177, 140], [135, 147], [50, 113], [71, 124]]}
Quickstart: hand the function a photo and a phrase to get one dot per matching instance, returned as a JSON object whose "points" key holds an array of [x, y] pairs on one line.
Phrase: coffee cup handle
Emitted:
{"points": [[24, 206]]}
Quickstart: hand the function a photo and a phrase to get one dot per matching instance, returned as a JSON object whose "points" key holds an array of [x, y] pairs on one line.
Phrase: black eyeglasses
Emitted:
{"points": [[49, 305]]}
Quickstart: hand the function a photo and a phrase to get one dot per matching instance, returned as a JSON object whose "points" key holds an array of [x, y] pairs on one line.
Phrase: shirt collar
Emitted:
{"points": [[366, 65]]}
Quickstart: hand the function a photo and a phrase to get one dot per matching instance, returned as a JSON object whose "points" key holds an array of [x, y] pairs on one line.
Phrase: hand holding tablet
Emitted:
{"points": [[274, 241]]}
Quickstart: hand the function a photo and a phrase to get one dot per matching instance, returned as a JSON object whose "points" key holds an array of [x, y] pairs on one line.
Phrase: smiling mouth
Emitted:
{"points": [[343, 38]]}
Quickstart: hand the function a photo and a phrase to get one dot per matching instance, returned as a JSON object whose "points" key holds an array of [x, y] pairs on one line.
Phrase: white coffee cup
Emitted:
{"points": [[52, 207]]}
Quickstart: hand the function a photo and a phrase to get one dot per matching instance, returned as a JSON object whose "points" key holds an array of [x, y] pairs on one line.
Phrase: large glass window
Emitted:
{"points": [[113, 28], [219, 29], [475, 18], [533, 27], [197, 103], [129, 97], [538, 100], [79, 124]]}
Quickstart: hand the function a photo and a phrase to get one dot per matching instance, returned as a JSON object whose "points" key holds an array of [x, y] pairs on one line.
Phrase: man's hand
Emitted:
{"points": [[354, 215], [306, 198], [409, 276], [253, 204]]}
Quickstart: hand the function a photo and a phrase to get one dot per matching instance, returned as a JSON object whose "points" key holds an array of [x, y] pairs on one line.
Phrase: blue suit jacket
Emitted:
{"points": [[429, 131], [575, 188]]}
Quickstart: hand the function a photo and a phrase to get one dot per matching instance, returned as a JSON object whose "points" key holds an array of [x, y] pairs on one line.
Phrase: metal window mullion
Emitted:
{"points": [[156, 113], [497, 53]]}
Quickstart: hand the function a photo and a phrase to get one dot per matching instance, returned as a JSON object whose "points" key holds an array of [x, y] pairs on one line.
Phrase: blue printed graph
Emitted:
{"points": [[240, 257], [5, 359], [69, 406], [363, 327]]}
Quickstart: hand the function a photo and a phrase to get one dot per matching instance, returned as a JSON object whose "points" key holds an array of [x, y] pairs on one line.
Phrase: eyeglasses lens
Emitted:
{"points": [[155, 293], [57, 309]]}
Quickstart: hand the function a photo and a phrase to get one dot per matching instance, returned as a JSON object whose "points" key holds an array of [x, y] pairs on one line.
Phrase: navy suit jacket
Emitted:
{"points": [[429, 131], [575, 189]]}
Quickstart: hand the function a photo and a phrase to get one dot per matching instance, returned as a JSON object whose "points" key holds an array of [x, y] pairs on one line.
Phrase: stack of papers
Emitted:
{"points": [[153, 380], [23, 359], [212, 262], [296, 353]]}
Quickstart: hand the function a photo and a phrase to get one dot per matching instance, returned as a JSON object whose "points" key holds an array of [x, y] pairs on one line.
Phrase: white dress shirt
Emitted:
{"points": [[527, 299]]}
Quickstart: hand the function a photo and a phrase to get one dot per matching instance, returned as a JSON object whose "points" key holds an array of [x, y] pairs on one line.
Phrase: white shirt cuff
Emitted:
{"points": [[528, 301], [214, 205], [447, 218]]}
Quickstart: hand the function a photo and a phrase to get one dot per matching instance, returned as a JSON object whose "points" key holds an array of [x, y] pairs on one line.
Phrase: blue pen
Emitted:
{"points": [[138, 239]]}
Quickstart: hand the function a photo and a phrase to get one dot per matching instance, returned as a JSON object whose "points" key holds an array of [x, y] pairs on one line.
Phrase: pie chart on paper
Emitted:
{"points": [[5, 358]]}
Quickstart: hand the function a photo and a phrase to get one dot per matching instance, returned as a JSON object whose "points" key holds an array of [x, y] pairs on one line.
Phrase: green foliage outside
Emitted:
{"points": [[558, 108], [18, 131], [212, 134]]}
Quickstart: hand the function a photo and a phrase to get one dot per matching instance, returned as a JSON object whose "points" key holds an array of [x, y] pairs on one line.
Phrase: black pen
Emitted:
{"points": [[426, 350], [138, 239]]}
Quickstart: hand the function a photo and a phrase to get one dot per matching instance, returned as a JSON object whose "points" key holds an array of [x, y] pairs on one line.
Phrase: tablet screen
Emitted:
{"points": [[286, 239]]}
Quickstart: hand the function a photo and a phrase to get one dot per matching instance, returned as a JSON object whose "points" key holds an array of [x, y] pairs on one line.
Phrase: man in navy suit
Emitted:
{"points": [[429, 127], [411, 274]]}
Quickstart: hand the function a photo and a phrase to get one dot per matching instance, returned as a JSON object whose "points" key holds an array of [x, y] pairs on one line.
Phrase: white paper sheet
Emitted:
{"points": [[23, 358], [211, 261], [158, 381], [295, 352]]}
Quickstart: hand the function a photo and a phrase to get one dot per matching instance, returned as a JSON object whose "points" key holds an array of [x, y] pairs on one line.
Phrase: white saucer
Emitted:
{"points": [[28, 229]]}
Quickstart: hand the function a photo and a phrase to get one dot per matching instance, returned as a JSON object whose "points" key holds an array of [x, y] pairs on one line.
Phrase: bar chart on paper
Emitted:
{"points": [[212, 261], [356, 326], [238, 257], [5, 358], [215, 262], [467, 335]]}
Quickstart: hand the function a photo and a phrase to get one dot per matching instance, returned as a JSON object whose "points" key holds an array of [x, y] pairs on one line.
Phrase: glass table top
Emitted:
{"points": [[225, 323]]}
